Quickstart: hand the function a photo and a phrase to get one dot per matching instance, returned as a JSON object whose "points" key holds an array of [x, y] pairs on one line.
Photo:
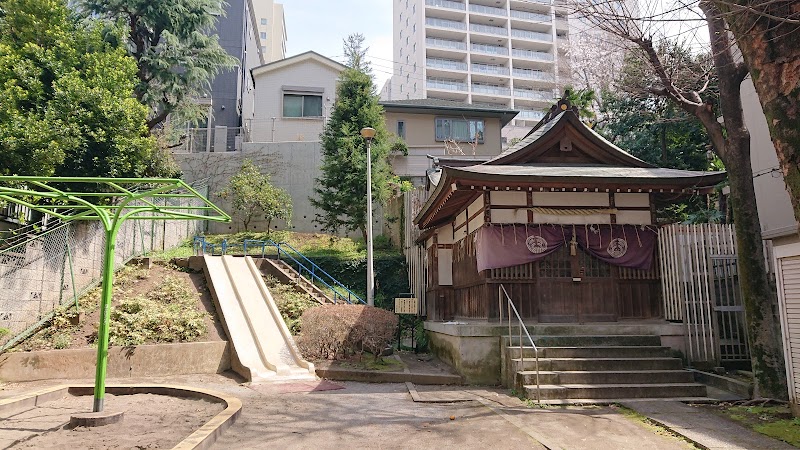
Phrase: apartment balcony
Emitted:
{"points": [[444, 23], [447, 4], [488, 29], [446, 64], [490, 90], [445, 44], [489, 49], [532, 35], [445, 84], [533, 74], [488, 10], [490, 69], [530, 16], [527, 114], [532, 55], [533, 95]]}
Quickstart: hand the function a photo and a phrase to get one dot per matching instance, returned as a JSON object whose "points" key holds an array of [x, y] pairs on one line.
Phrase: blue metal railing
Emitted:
{"points": [[287, 253]]}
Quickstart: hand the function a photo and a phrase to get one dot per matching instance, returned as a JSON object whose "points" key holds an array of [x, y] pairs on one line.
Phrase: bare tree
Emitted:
{"points": [[670, 72], [767, 33]]}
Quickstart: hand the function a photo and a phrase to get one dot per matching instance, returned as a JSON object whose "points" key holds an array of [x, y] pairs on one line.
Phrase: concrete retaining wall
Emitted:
{"points": [[123, 362]]}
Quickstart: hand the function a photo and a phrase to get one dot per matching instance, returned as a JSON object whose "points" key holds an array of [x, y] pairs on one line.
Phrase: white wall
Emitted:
{"points": [[269, 102]]}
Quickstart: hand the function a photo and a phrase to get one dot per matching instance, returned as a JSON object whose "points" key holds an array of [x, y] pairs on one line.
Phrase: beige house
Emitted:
{"points": [[443, 129], [293, 98], [779, 226]]}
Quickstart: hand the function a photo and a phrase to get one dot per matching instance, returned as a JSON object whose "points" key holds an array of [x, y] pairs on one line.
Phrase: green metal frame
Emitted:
{"points": [[111, 208]]}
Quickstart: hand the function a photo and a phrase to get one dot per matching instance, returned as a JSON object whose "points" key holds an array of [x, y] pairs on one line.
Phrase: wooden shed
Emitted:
{"points": [[564, 219]]}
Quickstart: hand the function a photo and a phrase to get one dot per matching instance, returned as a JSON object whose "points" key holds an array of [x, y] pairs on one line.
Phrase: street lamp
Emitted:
{"points": [[369, 133]]}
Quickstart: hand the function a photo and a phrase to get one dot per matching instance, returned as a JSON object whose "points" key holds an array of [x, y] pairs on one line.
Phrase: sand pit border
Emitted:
{"points": [[202, 438]]}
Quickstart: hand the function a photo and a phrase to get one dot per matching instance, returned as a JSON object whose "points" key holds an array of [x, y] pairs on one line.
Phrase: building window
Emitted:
{"points": [[263, 21], [415, 87], [459, 130], [295, 105], [263, 34], [401, 129], [414, 28]]}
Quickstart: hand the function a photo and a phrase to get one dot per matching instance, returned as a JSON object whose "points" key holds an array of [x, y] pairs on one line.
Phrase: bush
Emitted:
{"points": [[167, 314], [291, 304], [337, 331]]}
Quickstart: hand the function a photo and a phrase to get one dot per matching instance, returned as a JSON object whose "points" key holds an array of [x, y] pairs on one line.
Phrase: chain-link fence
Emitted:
{"points": [[57, 266]]}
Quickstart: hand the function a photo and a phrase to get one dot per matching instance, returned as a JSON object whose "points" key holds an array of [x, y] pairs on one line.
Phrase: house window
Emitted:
{"points": [[459, 130], [263, 35], [263, 21], [295, 105], [401, 129]]}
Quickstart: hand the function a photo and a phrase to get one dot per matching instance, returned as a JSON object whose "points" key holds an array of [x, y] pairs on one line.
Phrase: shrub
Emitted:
{"points": [[337, 331], [291, 304], [167, 314]]}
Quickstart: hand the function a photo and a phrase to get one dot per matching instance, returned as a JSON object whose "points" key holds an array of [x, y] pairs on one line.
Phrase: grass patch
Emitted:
{"points": [[773, 421], [651, 425], [291, 303]]}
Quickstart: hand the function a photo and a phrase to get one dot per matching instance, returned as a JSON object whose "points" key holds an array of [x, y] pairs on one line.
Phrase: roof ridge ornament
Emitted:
{"points": [[562, 105]]}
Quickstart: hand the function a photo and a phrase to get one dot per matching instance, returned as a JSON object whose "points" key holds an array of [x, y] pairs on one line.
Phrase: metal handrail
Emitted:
{"points": [[201, 245], [511, 307]]}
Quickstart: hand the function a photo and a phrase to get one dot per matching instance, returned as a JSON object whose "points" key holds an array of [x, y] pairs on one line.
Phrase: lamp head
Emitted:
{"points": [[368, 133]]}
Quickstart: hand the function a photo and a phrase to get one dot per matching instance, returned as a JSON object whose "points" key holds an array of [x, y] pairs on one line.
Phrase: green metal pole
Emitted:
{"points": [[105, 309]]}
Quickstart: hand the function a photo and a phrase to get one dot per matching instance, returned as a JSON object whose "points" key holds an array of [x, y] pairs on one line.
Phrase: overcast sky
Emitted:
{"points": [[320, 25]]}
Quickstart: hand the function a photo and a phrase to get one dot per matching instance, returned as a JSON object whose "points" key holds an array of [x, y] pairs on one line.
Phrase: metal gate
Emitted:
{"points": [[729, 318]]}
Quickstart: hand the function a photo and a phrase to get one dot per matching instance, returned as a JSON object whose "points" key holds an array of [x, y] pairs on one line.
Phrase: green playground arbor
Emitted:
{"points": [[115, 201]]}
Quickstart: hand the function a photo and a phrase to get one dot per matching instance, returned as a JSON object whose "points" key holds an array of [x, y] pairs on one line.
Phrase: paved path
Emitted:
{"points": [[704, 427]]}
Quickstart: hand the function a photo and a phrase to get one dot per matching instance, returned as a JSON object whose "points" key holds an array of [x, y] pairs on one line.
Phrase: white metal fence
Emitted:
{"points": [[215, 139], [55, 267], [700, 287]]}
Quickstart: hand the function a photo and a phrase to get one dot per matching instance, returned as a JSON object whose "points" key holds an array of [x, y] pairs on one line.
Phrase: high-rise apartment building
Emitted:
{"points": [[271, 29], [510, 53]]}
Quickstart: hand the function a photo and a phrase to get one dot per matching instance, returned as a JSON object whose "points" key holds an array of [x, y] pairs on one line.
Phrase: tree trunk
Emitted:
{"points": [[771, 49], [758, 297]]}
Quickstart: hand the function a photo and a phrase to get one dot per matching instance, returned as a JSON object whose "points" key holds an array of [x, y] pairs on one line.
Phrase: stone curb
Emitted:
{"points": [[385, 377], [202, 438]]}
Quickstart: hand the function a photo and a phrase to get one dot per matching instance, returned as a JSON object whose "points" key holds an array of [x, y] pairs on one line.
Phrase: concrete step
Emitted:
{"points": [[612, 351], [605, 377], [604, 391], [588, 341], [597, 364]]}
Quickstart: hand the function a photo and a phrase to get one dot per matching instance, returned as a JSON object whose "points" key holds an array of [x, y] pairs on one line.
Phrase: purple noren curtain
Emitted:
{"points": [[621, 245], [508, 245]]}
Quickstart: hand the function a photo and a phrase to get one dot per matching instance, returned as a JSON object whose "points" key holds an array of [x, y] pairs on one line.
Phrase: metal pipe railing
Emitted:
{"points": [[502, 291]]}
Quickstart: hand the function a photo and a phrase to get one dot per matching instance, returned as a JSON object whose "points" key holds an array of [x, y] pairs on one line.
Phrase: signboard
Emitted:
{"points": [[406, 306]]}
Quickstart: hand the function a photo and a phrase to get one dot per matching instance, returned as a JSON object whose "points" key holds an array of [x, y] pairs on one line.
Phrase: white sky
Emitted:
{"points": [[321, 25]]}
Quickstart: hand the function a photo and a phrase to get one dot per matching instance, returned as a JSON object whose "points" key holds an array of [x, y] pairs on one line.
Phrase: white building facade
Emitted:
{"points": [[271, 29], [499, 53]]}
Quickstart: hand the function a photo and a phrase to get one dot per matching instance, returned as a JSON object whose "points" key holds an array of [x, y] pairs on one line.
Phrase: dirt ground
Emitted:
{"points": [[149, 422], [83, 334]]}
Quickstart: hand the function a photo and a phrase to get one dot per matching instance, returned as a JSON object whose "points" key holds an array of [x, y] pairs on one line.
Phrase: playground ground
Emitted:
{"points": [[360, 415]]}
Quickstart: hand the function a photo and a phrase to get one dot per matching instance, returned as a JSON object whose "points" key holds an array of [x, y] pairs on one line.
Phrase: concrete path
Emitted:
{"points": [[704, 427]]}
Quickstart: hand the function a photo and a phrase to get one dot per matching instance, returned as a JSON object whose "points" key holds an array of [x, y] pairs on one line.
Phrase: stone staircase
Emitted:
{"points": [[287, 274], [597, 369]]}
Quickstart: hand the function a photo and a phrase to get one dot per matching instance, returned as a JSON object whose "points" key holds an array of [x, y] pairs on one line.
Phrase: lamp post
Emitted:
{"points": [[369, 133]]}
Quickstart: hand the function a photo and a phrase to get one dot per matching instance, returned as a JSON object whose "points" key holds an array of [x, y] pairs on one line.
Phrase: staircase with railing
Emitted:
{"points": [[297, 268]]}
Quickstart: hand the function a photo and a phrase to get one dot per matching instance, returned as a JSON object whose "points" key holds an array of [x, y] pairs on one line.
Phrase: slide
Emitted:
{"points": [[264, 348]]}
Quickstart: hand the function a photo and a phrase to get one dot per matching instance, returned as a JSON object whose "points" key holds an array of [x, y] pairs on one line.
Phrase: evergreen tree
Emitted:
{"points": [[252, 193], [342, 188], [176, 57], [66, 98]]}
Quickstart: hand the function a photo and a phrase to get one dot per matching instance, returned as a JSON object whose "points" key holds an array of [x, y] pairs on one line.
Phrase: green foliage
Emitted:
{"points": [[4, 331], [167, 314], [175, 55], [583, 99], [773, 421], [356, 53], [341, 194], [251, 193], [66, 105], [291, 304]]}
